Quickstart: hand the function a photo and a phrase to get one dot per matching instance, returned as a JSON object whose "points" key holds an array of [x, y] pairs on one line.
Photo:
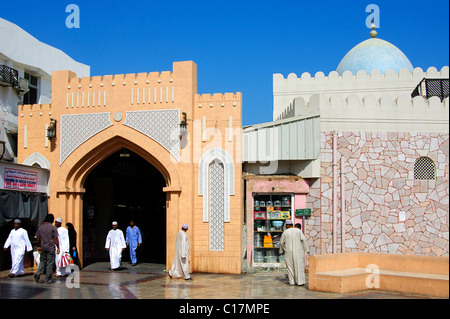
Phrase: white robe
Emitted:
{"points": [[180, 267], [64, 247], [293, 245], [115, 242], [19, 241]]}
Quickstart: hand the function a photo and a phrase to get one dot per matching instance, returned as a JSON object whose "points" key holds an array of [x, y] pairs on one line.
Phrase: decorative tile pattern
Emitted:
{"points": [[203, 180], [78, 128], [387, 210], [160, 125], [216, 206]]}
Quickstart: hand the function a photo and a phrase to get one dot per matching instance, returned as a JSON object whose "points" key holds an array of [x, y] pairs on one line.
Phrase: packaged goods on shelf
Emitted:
{"points": [[276, 240], [285, 215], [268, 241], [273, 214], [270, 259], [260, 214], [259, 256]]}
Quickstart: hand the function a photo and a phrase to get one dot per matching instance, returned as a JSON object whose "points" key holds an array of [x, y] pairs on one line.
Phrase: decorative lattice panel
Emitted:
{"points": [[203, 179], [424, 169], [437, 87], [216, 206], [78, 128], [160, 125]]}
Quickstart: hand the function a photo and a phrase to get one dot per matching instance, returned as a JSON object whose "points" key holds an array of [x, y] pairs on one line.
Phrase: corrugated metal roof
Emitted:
{"points": [[295, 138]]}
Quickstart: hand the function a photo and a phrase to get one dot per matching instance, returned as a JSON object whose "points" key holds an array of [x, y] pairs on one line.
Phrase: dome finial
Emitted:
{"points": [[373, 33]]}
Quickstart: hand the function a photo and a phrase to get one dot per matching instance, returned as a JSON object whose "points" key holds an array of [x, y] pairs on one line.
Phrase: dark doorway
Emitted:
{"points": [[123, 187]]}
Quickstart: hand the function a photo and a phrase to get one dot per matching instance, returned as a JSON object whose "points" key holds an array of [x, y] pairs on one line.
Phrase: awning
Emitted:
{"points": [[29, 207], [295, 138]]}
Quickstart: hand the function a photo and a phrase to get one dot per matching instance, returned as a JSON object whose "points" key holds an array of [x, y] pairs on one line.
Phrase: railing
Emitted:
{"points": [[432, 87], [8, 76]]}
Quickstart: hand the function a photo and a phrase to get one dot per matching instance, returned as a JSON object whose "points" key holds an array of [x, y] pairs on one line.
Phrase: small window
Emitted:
{"points": [[32, 96], [424, 169]]}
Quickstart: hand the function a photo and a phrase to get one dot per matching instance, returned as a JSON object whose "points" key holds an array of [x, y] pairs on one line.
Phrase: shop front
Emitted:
{"points": [[270, 202], [23, 195]]}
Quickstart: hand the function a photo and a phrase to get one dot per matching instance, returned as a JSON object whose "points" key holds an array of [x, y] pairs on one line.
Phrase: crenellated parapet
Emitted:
{"points": [[218, 100], [218, 117], [92, 93], [35, 109], [375, 75], [218, 107], [362, 84]]}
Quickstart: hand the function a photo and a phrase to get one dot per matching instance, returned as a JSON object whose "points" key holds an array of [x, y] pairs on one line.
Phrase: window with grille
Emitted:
{"points": [[424, 169]]}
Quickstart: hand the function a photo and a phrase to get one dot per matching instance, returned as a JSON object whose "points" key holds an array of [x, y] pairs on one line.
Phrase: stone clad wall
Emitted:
{"points": [[380, 186]]}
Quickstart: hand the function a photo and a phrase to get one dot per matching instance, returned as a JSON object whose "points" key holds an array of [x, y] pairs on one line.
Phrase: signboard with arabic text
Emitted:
{"points": [[20, 179]]}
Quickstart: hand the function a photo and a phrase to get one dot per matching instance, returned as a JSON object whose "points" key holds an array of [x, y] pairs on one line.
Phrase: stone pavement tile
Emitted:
{"points": [[148, 281]]}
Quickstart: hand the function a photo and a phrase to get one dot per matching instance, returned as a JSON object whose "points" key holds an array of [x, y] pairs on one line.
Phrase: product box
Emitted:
{"points": [[260, 214]]}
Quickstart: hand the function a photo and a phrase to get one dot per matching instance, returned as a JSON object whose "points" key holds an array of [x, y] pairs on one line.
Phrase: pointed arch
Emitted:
{"points": [[92, 152], [37, 158], [223, 156]]}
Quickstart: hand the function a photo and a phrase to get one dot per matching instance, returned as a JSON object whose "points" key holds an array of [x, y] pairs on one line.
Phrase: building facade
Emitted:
{"points": [[359, 158], [26, 65], [96, 117], [373, 152]]}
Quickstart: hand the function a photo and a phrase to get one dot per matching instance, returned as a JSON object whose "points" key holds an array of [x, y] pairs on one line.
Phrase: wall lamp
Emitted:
{"points": [[51, 130], [183, 125]]}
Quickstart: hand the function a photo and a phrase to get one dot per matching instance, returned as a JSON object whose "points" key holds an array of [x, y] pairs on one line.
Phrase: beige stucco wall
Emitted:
{"points": [[116, 95]]}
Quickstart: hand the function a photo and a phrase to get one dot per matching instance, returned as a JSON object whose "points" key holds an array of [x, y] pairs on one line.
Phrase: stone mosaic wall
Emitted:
{"points": [[386, 209]]}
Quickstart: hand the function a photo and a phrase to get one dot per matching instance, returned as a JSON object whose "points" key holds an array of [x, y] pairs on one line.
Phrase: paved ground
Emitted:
{"points": [[148, 281]]}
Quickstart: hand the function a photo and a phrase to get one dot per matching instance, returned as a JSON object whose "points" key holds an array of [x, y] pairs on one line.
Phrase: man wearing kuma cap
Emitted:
{"points": [[19, 241], [115, 244]]}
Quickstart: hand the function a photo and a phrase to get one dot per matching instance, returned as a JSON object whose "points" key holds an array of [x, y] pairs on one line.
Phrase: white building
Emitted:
{"points": [[26, 67], [369, 144]]}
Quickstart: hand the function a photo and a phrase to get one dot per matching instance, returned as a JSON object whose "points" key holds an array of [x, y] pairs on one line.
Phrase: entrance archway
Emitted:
{"points": [[76, 169], [124, 187]]}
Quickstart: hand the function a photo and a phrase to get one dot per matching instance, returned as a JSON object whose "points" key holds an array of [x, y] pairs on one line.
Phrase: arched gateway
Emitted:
{"points": [[96, 117]]}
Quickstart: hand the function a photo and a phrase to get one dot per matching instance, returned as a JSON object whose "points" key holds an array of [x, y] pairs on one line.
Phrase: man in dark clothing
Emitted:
{"points": [[46, 239]]}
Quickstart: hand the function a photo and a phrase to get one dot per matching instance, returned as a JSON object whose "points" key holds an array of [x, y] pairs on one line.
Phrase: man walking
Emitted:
{"points": [[133, 240], [180, 267], [64, 245], [293, 245], [19, 241], [115, 244], [46, 240]]}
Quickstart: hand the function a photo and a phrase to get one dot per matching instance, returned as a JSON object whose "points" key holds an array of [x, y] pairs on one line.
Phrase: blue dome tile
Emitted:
{"points": [[374, 54]]}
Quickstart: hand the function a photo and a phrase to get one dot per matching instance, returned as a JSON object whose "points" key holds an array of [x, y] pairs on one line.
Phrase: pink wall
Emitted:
{"points": [[299, 203]]}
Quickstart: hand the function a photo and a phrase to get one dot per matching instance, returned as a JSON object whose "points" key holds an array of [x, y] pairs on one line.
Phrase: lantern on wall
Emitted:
{"points": [[51, 130], [183, 125]]}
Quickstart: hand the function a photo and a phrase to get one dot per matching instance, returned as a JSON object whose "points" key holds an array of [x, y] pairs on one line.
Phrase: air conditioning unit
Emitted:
{"points": [[8, 76], [22, 89]]}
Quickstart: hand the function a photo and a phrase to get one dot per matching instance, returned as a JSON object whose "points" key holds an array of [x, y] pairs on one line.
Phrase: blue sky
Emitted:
{"points": [[237, 45]]}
